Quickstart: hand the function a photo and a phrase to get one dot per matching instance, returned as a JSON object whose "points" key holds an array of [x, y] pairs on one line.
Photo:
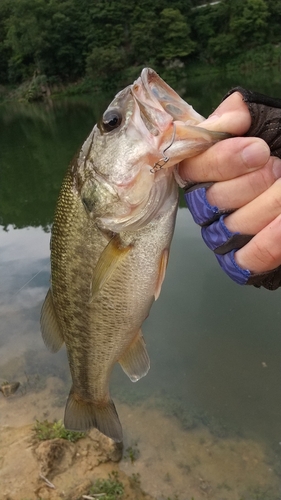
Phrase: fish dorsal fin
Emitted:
{"points": [[110, 258], [50, 329], [161, 272], [135, 361]]}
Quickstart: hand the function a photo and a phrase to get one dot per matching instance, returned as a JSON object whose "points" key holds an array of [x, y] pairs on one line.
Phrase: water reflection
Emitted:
{"points": [[37, 143], [214, 381], [219, 335], [24, 272]]}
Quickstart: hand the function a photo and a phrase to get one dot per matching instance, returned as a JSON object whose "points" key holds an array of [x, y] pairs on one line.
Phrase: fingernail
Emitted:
{"points": [[276, 168], [255, 155]]}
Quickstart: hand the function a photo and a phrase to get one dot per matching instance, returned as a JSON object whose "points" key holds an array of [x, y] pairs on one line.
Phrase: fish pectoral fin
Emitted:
{"points": [[83, 415], [135, 361], [109, 260], [161, 272], [50, 329]]}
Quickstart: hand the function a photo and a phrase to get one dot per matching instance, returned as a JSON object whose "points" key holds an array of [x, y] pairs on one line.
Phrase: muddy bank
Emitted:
{"points": [[55, 469], [161, 459]]}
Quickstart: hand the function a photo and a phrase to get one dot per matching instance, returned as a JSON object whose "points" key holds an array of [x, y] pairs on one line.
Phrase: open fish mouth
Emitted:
{"points": [[150, 90], [171, 122]]}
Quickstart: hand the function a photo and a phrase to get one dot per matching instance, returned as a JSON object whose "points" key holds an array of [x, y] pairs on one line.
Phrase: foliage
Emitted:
{"points": [[111, 488], [132, 453], [255, 59], [47, 430], [228, 29], [64, 40]]}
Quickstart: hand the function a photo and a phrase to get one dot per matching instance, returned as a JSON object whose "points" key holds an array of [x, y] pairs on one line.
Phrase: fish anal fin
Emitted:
{"points": [[109, 260], [135, 361], [161, 272], [50, 329], [82, 416]]}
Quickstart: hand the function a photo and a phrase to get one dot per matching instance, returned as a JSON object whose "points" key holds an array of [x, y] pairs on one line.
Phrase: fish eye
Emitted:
{"points": [[111, 120]]}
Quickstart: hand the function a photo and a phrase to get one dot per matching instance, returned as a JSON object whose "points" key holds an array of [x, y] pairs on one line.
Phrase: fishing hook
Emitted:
{"points": [[160, 164]]}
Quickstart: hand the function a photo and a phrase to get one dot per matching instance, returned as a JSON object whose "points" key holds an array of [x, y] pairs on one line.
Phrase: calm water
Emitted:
{"points": [[214, 346]]}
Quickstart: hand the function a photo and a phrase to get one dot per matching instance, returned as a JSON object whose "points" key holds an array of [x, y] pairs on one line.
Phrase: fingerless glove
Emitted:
{"points": [[266, 123]]}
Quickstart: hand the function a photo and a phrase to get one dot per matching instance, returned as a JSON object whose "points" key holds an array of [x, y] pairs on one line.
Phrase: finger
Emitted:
{"points": [[231, 116], [256, 215], [263, 252], [240, 191], [226, 160]]}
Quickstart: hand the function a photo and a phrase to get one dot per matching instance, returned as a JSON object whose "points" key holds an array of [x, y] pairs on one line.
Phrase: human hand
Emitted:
{"points": [[247, 179]]}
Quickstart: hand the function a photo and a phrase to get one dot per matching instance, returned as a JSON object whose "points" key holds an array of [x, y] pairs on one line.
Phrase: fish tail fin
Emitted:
{"points": [[82, 416]]}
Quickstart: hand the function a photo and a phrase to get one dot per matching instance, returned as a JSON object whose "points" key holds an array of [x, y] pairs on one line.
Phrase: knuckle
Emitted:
{"points": [[265, 178], [276, 196], [264, 255]]}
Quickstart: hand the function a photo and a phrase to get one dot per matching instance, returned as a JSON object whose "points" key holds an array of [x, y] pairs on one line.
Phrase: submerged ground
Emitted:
{"points": [[161, 459]]}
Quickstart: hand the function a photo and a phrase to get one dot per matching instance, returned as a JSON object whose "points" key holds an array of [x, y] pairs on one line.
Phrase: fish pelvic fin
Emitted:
{"points": [[50, 329], [135, 361], [109, 260], [82, 416]]}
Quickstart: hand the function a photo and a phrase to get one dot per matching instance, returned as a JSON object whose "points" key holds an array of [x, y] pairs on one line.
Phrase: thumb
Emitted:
{"points": [[231, 116]]}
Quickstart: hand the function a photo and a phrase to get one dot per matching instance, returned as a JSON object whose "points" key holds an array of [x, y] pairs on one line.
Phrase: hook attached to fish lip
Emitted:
{"points": [[160, 164]]}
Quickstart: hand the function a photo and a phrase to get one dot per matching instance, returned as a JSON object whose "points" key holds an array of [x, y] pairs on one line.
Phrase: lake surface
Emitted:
{"points": [[214, 346]]}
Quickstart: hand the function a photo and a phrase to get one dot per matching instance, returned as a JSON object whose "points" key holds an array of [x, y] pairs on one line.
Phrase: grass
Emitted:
{"points": [[132, 453], [51, 430], [108, 489]]}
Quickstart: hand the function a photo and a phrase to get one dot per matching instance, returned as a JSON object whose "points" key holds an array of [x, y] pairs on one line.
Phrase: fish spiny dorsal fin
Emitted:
{"points": [[82, 416], [110, 258], [50, 329], [135, 361]]}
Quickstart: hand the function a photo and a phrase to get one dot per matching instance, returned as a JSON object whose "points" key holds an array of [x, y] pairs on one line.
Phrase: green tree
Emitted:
{"points": [[47, 37], [145, 37], [105, 61], [175, 34], [274, 21], [248, 22], [5, 52], [25, 37], [66, 39], [229, 28]]}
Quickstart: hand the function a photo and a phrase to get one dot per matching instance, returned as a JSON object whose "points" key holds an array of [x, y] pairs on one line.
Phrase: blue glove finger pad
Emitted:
{"points": [[231, 268], [216, 235], [201, 210]]}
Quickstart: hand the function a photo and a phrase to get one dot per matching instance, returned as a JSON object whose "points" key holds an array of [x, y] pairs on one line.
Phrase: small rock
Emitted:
{"points": [[9, 388]]}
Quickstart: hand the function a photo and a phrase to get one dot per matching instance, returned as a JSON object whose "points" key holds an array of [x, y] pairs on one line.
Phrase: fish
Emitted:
{"points": [[110, 242]]}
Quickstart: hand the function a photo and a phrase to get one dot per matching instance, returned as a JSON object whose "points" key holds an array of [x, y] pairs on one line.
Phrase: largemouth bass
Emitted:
{"points": [[110, 242]]}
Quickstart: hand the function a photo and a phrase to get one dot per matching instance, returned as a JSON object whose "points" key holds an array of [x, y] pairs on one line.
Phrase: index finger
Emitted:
{"points": [[226, 160]]}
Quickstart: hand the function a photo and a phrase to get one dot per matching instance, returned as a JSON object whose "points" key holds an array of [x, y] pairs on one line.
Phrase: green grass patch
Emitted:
{"points": [[108, 489], [51, 430]]}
